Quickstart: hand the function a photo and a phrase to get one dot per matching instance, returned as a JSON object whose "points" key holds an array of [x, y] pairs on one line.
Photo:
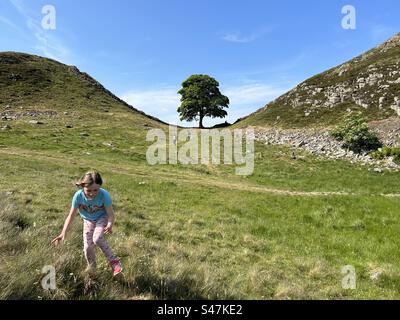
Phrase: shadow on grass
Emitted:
{"points": [[168, 288]]}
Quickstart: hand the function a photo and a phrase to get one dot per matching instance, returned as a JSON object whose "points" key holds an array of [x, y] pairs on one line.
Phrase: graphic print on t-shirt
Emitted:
{"points": [[90, 208]]}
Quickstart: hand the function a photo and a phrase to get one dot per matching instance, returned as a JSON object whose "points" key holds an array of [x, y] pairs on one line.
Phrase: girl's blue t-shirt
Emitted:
{"points": [[92, 209]]}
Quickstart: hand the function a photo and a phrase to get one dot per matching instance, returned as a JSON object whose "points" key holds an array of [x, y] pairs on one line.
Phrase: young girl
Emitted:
{"points": [[95, 207]]}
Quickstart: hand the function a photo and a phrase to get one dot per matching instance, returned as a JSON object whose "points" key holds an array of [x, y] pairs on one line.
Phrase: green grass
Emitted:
{"points": [[183, 232], [189, 232]]}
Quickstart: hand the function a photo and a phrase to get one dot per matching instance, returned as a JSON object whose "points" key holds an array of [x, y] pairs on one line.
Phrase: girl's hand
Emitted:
{"points": [[57, 239], [108, 229]]}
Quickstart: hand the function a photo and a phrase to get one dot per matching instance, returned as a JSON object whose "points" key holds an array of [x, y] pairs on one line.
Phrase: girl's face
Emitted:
{"points": [[91, 191]]}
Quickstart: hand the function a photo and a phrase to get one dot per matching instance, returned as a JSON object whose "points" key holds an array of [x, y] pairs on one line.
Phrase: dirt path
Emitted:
{"points": [[189, 178]]}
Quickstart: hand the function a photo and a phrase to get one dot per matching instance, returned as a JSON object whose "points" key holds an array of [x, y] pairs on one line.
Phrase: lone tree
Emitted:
{"points": [[201, 98]]}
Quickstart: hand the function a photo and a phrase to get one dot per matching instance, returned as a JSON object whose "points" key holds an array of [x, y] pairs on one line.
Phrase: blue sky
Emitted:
{"points": [[143, 50]]}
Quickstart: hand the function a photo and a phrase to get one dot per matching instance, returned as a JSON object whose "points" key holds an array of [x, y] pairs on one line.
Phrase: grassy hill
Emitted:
{"points": [[369, 83], [31, 82], [182, 232]]}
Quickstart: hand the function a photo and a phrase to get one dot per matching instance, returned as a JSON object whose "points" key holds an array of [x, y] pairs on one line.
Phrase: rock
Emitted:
{"points": [[319, 143], [6, 127], [300, 144], [109, 144], [69, 126], [84, 134], [396, 106], [74, 70], [375, 275], [381, 101], [35, 122], [379, 170], [334, 99], [340, 154], [14, 77]]}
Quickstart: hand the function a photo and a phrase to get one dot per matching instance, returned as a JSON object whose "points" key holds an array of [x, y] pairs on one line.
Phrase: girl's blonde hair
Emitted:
{"points": [[89, 178]]}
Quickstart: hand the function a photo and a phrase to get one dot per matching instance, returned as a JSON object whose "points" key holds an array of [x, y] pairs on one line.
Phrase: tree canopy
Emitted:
{"points": [[201, 98]]}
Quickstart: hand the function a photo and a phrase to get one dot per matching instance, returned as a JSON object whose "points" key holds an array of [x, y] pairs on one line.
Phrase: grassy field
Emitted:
{"points": [[192, 231]]}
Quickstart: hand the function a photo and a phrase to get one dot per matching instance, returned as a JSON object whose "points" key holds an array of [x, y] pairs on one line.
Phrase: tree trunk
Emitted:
{"points": [[201, 120]]}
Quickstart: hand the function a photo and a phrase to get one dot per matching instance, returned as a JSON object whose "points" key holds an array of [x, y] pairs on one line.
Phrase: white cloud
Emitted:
{"points": [[8, 23], [238, 37], [45, 41], [251, 94], [158, 100], [248, 98], [24, 35], [163, 103]]}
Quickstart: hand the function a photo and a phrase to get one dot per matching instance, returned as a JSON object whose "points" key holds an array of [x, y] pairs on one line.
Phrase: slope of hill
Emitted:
{"points": [[33, 83], [369, 83]]}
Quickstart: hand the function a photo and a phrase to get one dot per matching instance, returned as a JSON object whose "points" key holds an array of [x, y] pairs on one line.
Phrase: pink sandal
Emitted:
{"points": [[116, 266]]}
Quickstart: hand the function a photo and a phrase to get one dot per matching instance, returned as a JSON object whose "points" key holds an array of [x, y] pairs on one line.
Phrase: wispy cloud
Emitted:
{"points": [[381, 33], [283, 74], [238, 37], [256, 94], [8, 23], [45, 41], [15, 28], [248, 98], [163, 102]]}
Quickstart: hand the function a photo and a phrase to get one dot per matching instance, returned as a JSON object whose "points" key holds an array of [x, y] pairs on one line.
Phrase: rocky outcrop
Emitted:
{"points": [[320, 142], [369, 83], [9, 114]]}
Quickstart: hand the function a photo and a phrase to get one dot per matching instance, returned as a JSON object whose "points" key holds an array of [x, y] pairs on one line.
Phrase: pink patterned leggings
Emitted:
{"points": [[93, 234]]}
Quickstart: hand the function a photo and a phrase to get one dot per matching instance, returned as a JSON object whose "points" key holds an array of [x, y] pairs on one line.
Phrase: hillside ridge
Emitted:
{"points": [[369, 83]]}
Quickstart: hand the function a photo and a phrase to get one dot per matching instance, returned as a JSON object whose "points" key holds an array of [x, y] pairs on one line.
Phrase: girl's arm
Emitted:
{"points": [[67, 223], [111, 218]]}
